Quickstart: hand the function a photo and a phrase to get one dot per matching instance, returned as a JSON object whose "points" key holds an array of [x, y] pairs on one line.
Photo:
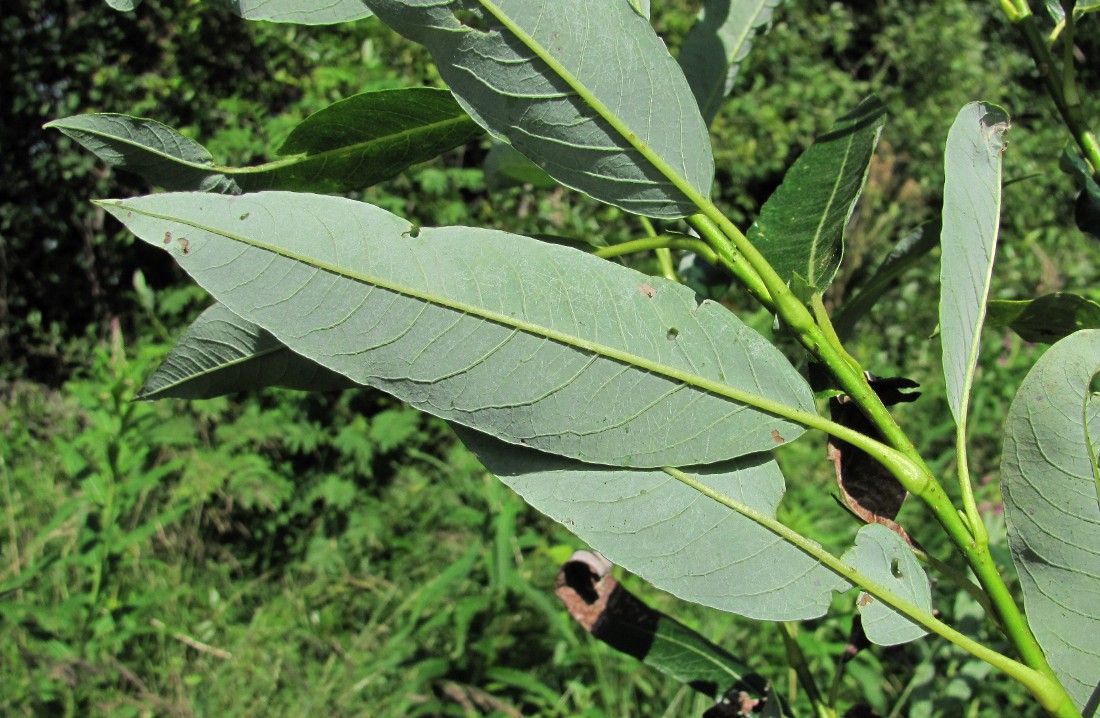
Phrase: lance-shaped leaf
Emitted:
{"points": [[300, 12], [349, 145], [801, 227], [534, 343], [671, 535], [1047, 318], [1050, 479], [971, 219], [718, 43], [884, 556], [150, 149], [585, 88], [220, 353], [599, 603]]}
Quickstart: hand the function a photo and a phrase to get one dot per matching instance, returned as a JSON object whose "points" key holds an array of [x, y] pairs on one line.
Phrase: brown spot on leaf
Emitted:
{"points": [[865, 599], [185, 245], [167, 237], [778, 437], [647, 290]]}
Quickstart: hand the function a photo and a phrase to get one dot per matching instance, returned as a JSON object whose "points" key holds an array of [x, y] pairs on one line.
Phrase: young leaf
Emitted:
{"points": [[671, 535], [585, 88], [535, 343], [1050, 481], [717, 44], [1047, 318], [801, 227], [884, 556], [220, 353], [147, 148], [301, 12], [971, 218], [600, 604], [349, 145]]}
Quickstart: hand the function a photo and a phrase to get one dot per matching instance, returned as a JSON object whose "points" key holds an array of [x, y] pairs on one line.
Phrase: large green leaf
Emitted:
{"points": [[1049, 478], [301, 12], [532, 342], [883, 556], [717, 44], [971, 219], [220, 353], [671, 535], [585, 88], [349, 145], [801, 227]]}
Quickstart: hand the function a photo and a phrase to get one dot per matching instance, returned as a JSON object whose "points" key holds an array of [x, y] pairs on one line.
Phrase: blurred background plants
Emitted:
{"points": [[288, 554]]}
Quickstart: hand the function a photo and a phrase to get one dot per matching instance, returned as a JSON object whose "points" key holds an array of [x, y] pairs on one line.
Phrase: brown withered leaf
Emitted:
{"points": [[868, 489]]}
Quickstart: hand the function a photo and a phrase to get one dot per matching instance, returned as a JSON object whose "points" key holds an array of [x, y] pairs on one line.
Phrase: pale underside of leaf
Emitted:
{"points": [[1048, 472], [884, 557], [220, 353], [534, 343], [584, 88], [669, 534], [148, 148], [301, 12], [717, 44], [971, 220]]}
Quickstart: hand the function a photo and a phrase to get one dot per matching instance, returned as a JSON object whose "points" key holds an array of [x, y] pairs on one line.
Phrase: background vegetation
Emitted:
{"points": [[287, 554]]}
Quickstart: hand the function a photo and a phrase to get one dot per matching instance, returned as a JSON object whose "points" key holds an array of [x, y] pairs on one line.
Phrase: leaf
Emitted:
{"points": [[584, 88], [220, 353], [504, 166], [912, 248], [302, 12], [123, 5], [349, 145], [1087, 208], [669, 534], [800, 229], [1046, 319], [147, 148], [1049, 480], [718, 43], [532, 342], [599, 603], [866, 487], [885, 557], [971, 219], [642, 7]]}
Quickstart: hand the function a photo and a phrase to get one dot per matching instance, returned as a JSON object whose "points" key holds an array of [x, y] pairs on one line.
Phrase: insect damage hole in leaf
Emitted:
{"points": [[472, 19]]}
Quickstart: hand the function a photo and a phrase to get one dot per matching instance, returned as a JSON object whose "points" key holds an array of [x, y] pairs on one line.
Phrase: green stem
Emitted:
{"points": [[917, 478], [664, 254], [966, 487], [656, 243], [796, 659], [1046, 689], [1021, 16]]}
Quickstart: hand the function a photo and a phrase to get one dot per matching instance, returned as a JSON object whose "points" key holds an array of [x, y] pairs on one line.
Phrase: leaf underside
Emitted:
{"points": [[884, 556], [534, 343], [971, 219], [717, 44], [301, 12], [584, 88], [1049, 480], [220, 354], [1047, 318], [669, 534]]}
